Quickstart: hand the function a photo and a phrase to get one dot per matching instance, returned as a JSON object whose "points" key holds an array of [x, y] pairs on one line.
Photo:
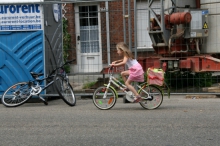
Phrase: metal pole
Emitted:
{"points": [[162, 15], [129, 23], [135, 29], [135, 34], [124, 25], [108, 33]]}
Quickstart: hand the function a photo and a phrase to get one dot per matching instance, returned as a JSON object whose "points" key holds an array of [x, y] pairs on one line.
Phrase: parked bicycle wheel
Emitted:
{"points": [[16, 95], [155, 94], [102, 102], [65, 90]]}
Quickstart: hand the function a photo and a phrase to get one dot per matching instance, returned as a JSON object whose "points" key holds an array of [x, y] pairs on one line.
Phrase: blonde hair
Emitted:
{"points": [[124, 47]]}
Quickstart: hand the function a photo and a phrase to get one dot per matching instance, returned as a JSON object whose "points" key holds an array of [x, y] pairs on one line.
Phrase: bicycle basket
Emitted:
{"points": [[155, 76]]}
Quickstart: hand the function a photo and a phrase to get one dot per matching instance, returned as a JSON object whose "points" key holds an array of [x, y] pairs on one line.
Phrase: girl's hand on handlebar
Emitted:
{"points": [[111, 65], [114, 62]]}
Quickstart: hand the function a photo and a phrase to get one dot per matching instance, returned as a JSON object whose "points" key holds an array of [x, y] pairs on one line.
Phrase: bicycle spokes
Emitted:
{"points": [[152, 99], [104, 98], [16, 94]]}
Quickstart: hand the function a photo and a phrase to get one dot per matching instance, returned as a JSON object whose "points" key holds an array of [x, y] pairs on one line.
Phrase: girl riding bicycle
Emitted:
{"points": [[135, 71]]}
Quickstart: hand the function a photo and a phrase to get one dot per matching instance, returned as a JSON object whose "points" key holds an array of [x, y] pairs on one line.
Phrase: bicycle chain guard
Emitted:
{"points": [[35, 90], [130, 96]]}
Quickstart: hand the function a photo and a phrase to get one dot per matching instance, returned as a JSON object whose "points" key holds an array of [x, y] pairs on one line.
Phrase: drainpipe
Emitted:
{"points": [[198, 4], [108, 35]]}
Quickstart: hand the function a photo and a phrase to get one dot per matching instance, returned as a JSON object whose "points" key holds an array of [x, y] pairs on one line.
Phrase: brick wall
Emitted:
{"points": [[71, 29], [115, 24]]}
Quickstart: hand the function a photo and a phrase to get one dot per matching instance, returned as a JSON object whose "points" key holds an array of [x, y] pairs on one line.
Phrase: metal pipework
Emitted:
{"points": [[180, 18]]}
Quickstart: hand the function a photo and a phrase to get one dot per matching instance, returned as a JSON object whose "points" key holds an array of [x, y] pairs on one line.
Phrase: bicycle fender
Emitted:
{"points": [[116, 93], [159, 87]]}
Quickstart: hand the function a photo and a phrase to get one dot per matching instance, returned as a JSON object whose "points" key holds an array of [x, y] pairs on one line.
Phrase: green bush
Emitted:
{"points": [[66, 44], [89, 85], [203, 79], [188, 79]]}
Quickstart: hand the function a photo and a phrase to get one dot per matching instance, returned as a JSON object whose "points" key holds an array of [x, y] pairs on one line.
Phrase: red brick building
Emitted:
{"points": [[97, 27]]}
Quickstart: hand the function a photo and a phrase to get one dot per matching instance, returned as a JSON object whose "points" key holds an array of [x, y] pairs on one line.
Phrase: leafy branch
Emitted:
{"points": [[66, 44]]}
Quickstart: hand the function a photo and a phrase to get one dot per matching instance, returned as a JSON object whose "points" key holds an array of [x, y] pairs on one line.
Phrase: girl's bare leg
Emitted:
{"points": [[128, 84], [124, 75]]}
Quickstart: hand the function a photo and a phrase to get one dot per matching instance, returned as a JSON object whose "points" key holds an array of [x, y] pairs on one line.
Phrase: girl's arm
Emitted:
{"points": [[123, 62], [114, 62]]}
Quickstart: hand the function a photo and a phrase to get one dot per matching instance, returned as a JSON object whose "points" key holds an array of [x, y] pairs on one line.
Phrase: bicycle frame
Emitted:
{"points": [[105, 97], [20, 92], [121, 86], [37, 81], [51, 75]]}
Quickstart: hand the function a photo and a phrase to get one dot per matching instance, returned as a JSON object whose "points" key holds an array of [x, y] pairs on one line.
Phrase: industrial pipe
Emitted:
{"points": [[197, 46], [180, 18], [177, 35]]}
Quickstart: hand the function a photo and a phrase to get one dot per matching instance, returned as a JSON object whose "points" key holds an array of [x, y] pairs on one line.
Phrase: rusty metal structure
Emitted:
{"points": [[178, 34]]}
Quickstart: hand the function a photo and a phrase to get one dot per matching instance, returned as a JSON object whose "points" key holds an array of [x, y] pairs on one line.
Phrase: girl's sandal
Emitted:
{"points": [[138, 99]]}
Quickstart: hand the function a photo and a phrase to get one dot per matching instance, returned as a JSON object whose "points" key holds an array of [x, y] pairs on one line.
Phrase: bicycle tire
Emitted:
{"points": [[16, 94], [65, 90], [104, 103], [155, 93]]}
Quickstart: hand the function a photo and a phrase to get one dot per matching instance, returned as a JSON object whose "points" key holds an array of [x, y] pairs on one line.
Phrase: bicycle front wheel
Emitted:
{"points": [[16, 95], [65, 90], [101, 102], [156, 97]]}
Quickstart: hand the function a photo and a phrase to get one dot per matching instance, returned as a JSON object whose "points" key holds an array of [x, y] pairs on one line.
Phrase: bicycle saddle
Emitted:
{"points": [[35, 75]]}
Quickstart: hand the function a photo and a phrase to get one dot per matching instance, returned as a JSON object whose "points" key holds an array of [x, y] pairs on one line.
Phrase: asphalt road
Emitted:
{"points": [[177, 122]]}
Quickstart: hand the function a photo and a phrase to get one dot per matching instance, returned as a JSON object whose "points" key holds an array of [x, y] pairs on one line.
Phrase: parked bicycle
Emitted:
{"points": [[21, 92], [105, 97]]}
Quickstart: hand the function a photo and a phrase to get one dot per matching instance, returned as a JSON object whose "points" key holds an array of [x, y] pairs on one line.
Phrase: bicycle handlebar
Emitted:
{"points": [[69, 61], [110, 69]]}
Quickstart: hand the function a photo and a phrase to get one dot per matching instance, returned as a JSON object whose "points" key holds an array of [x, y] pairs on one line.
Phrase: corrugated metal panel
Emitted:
{"points": [[21, 53]]}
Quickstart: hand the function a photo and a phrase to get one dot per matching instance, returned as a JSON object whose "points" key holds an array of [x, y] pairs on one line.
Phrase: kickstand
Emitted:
{"points": [[44, 101]]}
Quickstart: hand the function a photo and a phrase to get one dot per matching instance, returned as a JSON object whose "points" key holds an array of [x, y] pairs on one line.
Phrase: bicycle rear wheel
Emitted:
{"points": [[155, 94], [65, 90], [101, 102], [16, 95]]}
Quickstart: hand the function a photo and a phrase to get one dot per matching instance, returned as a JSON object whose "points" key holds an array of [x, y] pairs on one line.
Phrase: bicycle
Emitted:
{"points": [[21, 92], [105, 97]]}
